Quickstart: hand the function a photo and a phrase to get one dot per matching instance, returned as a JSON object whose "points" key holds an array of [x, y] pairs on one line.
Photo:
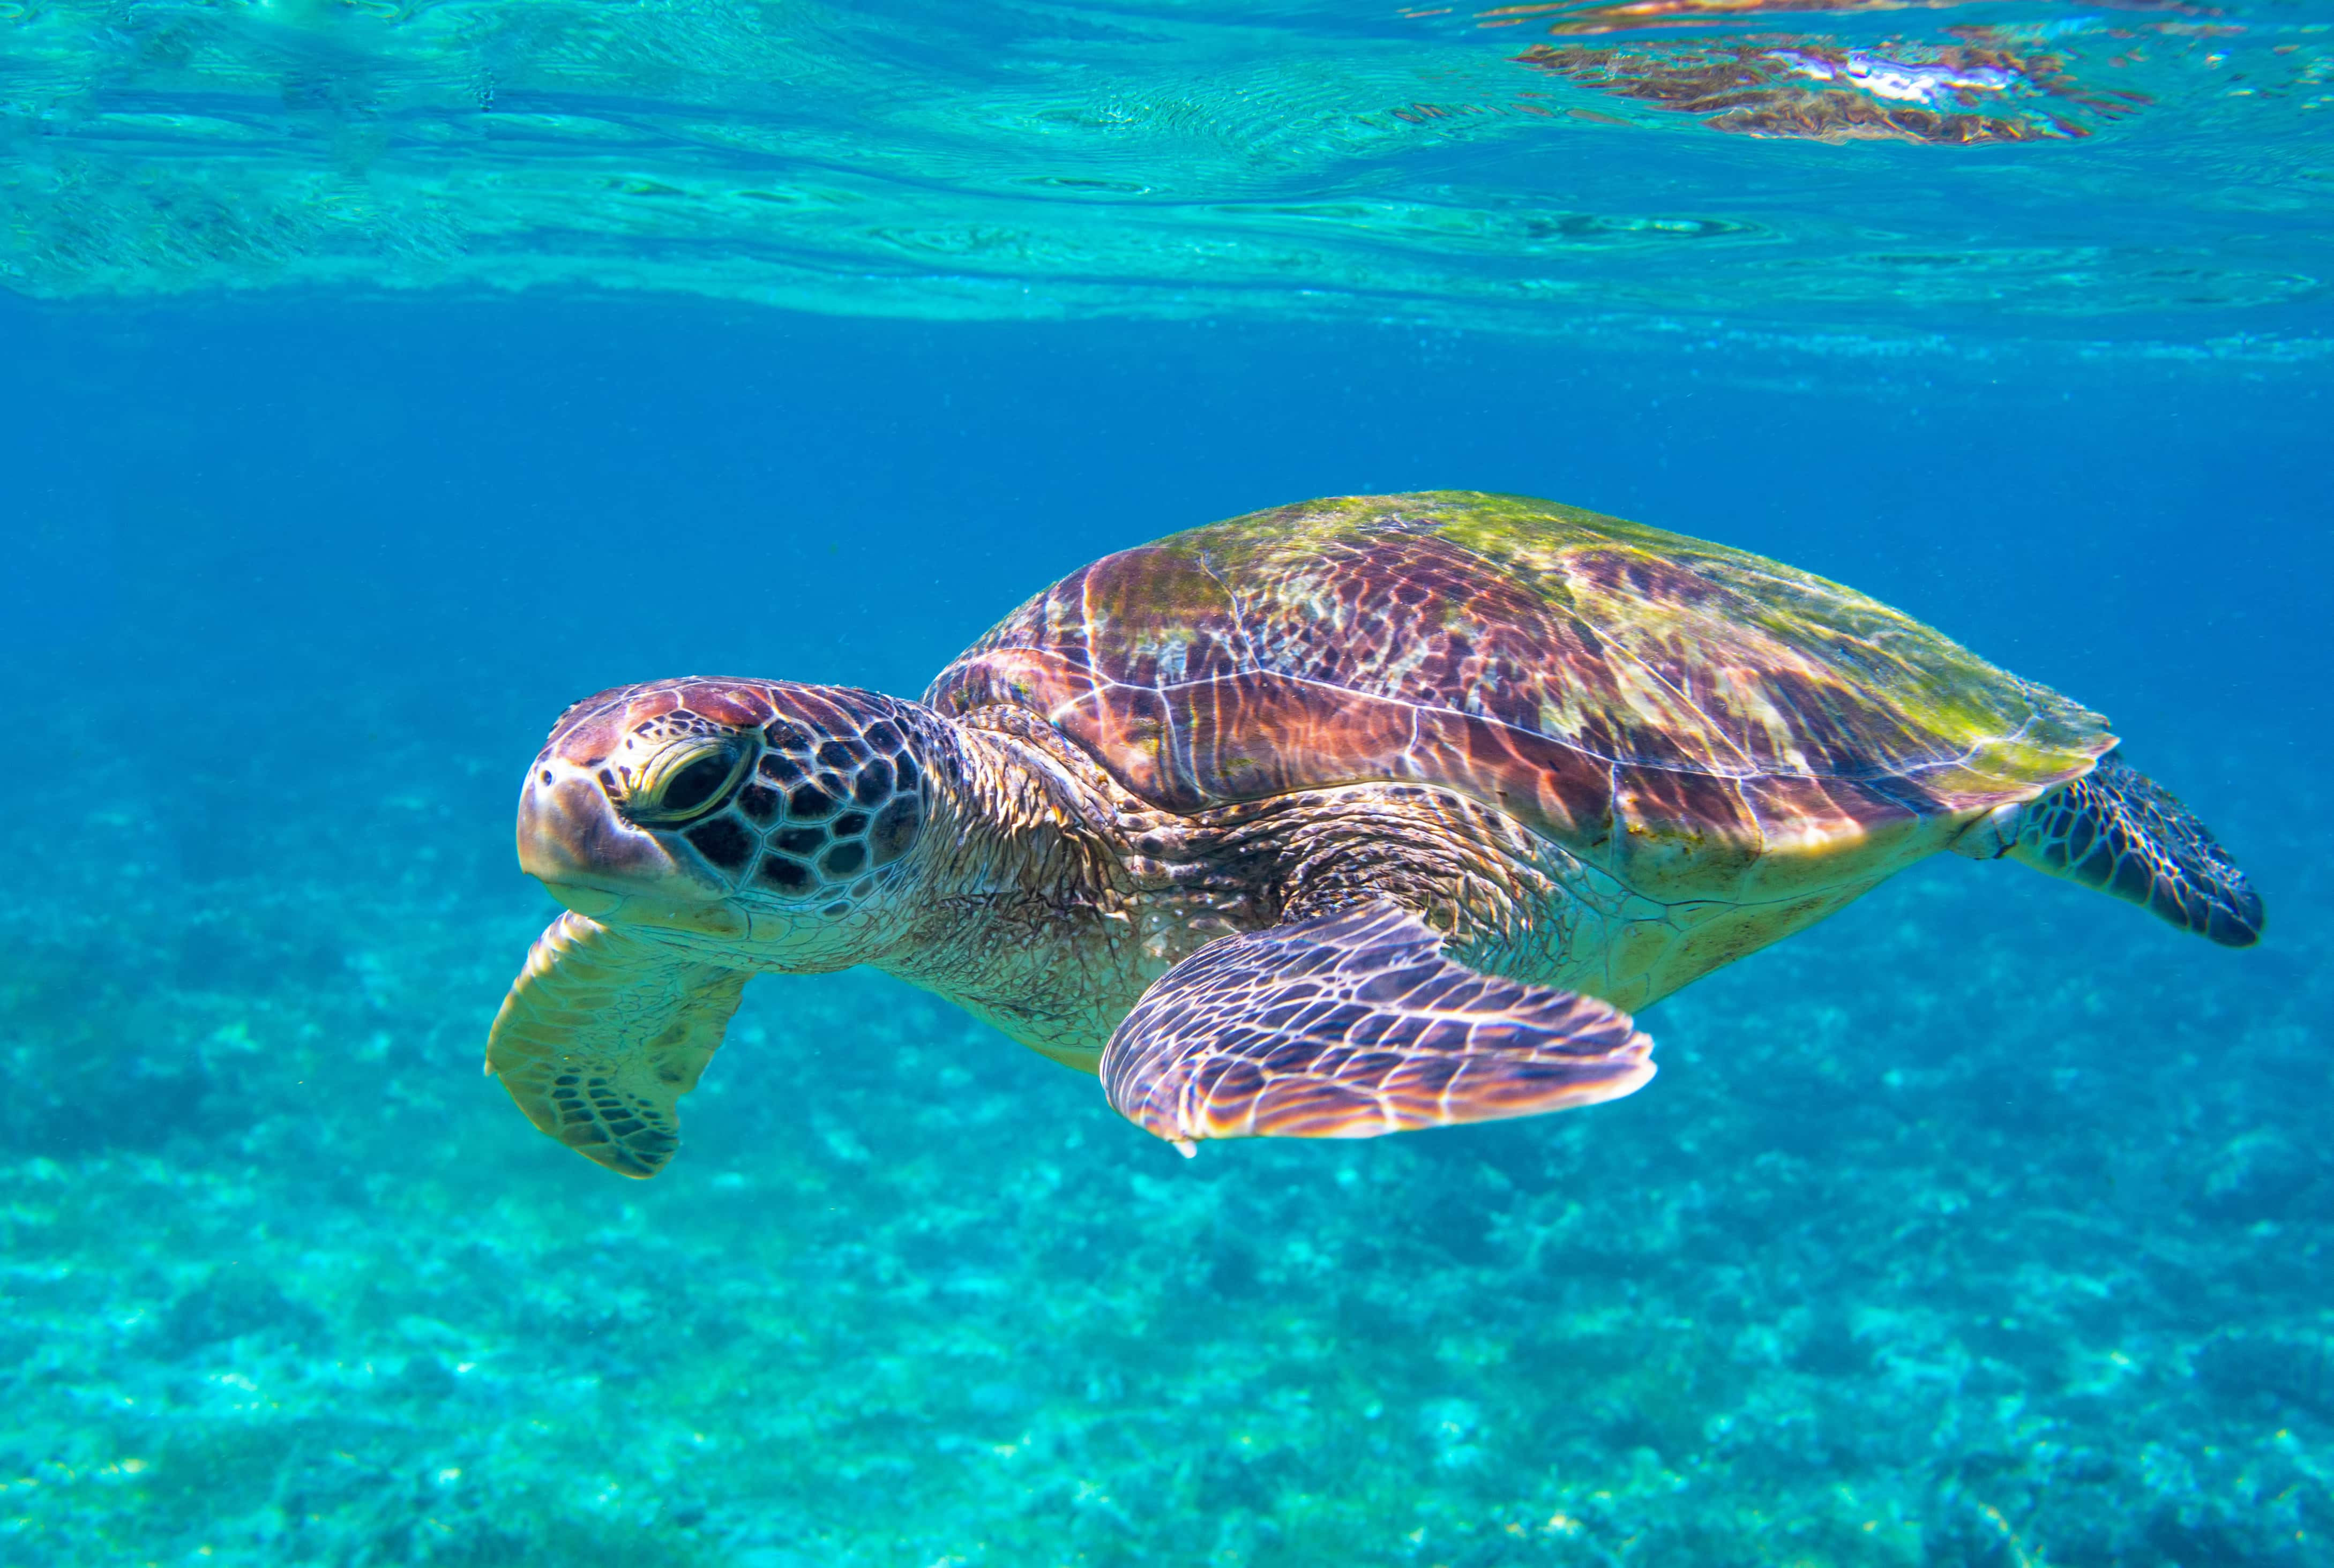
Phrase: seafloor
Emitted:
{"points": [[1988, 1223]]}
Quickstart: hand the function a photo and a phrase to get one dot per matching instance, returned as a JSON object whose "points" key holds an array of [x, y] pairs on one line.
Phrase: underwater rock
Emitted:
{"points": [[2260, 1176], [232, 1305]]}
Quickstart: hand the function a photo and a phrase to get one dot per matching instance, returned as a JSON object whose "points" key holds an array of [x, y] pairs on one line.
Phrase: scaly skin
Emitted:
{"points": [[1052, 898]]}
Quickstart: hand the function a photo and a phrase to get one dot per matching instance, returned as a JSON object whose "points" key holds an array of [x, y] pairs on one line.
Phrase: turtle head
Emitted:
{"points": [[773, 818]]}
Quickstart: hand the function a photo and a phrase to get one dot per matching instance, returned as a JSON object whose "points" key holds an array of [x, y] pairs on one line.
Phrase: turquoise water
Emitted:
{"points": [[379, 379]]}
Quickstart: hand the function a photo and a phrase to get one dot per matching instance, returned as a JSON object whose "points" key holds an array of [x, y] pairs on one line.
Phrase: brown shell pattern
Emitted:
{"points": [[1637, 696]]}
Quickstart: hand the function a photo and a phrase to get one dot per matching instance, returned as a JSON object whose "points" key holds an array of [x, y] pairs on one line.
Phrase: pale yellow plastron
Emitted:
{"points": [[602, 1034]]}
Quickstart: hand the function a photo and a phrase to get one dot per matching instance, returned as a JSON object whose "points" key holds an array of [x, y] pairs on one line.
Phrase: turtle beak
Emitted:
{"points": [[572, 841]]}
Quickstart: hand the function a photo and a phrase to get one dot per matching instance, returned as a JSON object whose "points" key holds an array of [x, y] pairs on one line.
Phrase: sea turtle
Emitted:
{"points": [[1360, 816]]}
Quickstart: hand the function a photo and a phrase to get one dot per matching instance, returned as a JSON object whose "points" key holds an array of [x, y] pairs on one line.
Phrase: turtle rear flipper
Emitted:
{"points": [[602, 1034], [1350, 1025], [2116, 830]]}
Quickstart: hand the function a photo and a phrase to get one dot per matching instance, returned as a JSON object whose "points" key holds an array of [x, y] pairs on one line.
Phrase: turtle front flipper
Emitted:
{"points": [[2116, 830], [602, 1034], [1351, 1025]]}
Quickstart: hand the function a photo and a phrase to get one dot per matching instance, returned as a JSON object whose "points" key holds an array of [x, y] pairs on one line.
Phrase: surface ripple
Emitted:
{"points": [[2149, 174]]}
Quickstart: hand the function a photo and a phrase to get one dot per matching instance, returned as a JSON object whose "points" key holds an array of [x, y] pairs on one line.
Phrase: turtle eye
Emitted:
{"points": [[685, 780]]}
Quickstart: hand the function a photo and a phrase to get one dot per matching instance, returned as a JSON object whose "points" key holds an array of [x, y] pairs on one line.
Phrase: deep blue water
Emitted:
{"points": [[346, 437]]}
